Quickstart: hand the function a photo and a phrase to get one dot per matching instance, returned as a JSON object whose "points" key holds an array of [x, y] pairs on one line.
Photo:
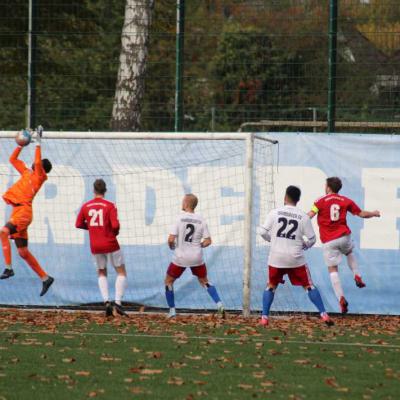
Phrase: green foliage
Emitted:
{"points": [[246, 61]]}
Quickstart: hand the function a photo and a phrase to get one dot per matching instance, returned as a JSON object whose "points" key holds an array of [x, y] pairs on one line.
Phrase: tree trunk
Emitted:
{"points": [[129, 92]]}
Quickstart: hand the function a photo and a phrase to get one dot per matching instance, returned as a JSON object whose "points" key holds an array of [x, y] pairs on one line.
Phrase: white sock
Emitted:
{"points": [[337, 286], [103, 286], [352, 263], [120, 286], [219, 304]]}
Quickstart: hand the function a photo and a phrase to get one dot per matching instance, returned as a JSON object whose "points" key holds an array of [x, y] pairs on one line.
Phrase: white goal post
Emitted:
{"points": [[248, 141]]}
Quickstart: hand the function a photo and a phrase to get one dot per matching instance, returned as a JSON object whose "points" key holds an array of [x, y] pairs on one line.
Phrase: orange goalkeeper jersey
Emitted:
{"points": [[24, 190]]}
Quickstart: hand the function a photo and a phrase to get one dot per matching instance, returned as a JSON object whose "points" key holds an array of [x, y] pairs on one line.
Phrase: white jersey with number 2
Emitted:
{"points": [[289, 230], [189, 229]]}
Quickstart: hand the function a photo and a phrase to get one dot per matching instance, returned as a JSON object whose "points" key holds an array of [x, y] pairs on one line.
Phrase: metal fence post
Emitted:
{"points": [[180, 36], [333, 16], [32, 39]]}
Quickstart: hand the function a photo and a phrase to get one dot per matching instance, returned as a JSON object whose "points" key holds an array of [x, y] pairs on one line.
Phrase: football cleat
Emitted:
{"points": [[109, 309], [7, 273], [325, 318], [264, 321], [343, 305], [172, 313], [46, 285], [221, 312], [359, 281], [119, 310]]}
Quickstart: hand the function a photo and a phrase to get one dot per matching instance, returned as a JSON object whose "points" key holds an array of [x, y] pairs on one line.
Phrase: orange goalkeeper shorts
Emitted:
{"points": [[21, 217]]}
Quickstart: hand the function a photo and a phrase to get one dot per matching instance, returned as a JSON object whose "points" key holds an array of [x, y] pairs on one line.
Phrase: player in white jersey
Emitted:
{"points": [[188, 236], [290, 232]]}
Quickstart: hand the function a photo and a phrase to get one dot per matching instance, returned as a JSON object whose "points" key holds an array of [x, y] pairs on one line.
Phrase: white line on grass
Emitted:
{"points": [[218, 338]]}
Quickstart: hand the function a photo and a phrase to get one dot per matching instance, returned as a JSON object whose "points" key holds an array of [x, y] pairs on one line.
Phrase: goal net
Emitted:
{"points": [[147, 176]]}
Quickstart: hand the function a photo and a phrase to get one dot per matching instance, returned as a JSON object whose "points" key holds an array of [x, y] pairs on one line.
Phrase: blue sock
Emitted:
{"points": [[315, 297], [268, 298], [212, 291], [169, 294]]}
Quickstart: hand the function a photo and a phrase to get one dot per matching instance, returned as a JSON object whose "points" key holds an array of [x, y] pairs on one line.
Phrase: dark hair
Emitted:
{"points": [[46, 164], [334, 183], [294, 193], [99, 186]]}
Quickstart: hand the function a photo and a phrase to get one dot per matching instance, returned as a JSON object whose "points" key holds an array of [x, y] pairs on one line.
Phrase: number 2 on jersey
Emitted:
{"points": [[96, 217], [335, 212], [290, 234], [189, 235]]}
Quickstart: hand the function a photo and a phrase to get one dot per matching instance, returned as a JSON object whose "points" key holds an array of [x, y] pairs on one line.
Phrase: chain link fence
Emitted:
{"points": [[244, 61]]}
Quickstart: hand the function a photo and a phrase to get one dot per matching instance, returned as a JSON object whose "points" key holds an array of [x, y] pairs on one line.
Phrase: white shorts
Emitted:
{"points": [[334, 249], [116, 259]]}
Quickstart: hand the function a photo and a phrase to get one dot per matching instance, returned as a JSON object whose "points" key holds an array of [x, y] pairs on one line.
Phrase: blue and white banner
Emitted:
{"points": [[147, 180]]}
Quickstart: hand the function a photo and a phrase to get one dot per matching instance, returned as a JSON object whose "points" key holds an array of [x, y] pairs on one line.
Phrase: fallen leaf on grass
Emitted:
{"points": [[175, 380], [92, 394], [199, 382], [136, 390], [267, 383], [154, 354], [68, 360], [82, 373], [259, 374], [302, 362], [204, 372], [147, 371], [331, 382], [194, 357], [244, 386]]}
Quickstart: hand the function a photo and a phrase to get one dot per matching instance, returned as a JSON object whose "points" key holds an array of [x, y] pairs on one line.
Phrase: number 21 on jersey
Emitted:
{"points": [[96, 217]]}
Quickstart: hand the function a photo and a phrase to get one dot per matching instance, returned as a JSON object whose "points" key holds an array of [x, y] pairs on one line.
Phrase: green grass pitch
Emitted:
{"points": [[64, 355]]}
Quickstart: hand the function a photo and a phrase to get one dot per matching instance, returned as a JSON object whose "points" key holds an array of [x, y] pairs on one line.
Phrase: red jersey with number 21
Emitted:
{"points": [[100, 217], [332, 210]]}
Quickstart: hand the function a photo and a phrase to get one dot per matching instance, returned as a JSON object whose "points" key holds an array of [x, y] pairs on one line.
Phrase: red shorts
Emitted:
{"points": [[176, 271], [299, 276]]}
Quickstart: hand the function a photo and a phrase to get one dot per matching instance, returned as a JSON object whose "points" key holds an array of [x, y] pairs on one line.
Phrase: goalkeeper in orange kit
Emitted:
{"points": [[20, 196]]}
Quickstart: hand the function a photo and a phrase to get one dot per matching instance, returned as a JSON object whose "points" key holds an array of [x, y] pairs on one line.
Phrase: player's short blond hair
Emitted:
{"points": [[191, 200]]}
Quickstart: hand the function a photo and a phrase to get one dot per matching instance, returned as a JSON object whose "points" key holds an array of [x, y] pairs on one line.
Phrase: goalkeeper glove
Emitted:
{"points": [[39, 133]]}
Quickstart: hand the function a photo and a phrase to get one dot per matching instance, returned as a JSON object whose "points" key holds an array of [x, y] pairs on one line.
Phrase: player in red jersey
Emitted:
{"points": [[335, 234], [99, 216]]}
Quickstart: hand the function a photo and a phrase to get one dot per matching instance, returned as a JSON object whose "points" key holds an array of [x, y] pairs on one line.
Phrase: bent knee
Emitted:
{"points": [[23, 252]]}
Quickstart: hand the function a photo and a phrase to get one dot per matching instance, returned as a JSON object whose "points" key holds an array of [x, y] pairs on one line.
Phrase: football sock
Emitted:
{"points": [[268, 298], [103, 286], [33, 263], [169, 294], [5, 242], [337, 286], [120, 286], [352, 263], [212, 291], [315, 297]]}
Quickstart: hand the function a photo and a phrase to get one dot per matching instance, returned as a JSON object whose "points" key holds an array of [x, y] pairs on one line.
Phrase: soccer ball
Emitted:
{"points": [[23, 137]]}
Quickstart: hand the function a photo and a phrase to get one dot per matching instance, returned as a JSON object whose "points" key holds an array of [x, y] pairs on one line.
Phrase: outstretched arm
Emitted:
{"points": [[369, 214], [15, 162], [38, 160]]}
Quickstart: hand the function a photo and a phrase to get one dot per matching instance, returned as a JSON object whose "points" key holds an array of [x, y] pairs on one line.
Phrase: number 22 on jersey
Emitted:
{"points": [[96, 217]]}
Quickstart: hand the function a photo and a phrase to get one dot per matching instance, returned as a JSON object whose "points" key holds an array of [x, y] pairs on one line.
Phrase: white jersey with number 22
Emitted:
{"points": [[290, 231], [189, 229]]}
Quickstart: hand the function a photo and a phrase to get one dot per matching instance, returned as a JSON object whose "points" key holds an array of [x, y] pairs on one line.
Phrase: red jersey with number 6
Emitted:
{"points": [[100, 217], [332, 210]]}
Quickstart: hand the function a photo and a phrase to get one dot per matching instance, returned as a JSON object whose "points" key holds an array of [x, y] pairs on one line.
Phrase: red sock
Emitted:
{"points": [[32, 262], [5, 242]]}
